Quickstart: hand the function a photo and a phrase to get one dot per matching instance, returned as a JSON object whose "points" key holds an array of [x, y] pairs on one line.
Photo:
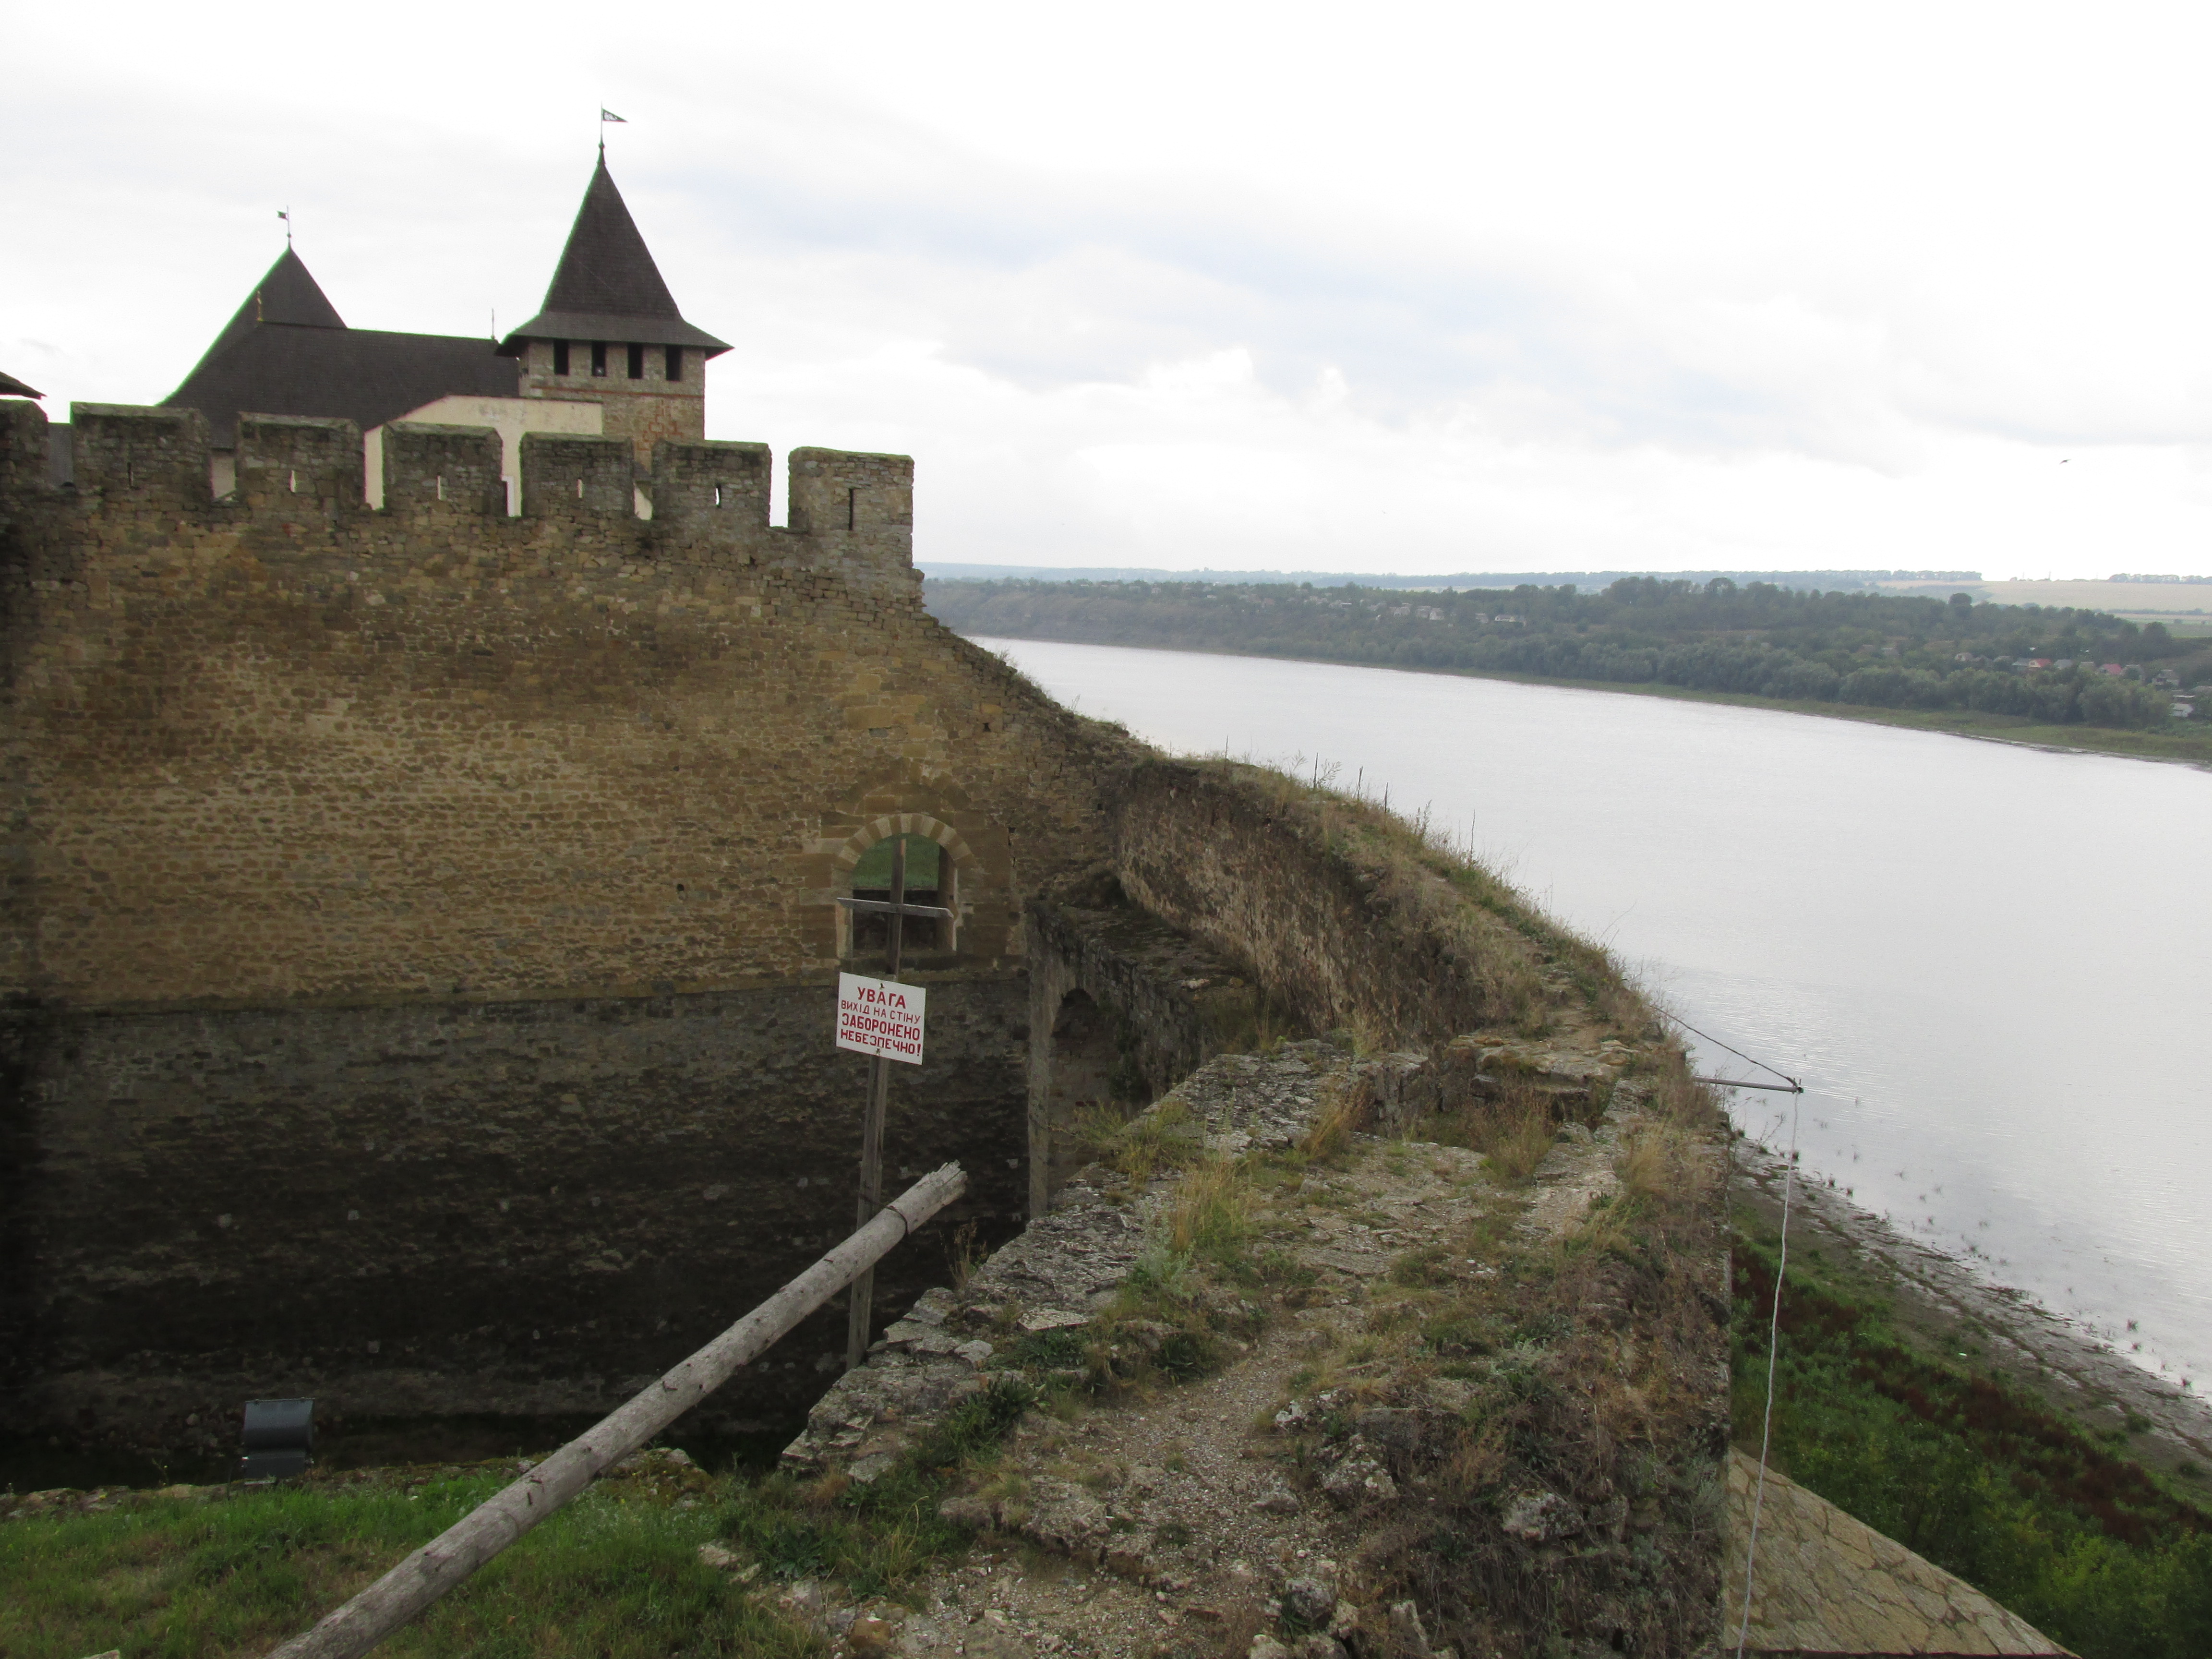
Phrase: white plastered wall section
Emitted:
{"points": [[509, 417]]}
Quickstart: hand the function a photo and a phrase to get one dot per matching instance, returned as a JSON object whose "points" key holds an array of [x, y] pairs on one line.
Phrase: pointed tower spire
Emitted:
{"points": [[287, 352], [606, 286], [610, 333]]}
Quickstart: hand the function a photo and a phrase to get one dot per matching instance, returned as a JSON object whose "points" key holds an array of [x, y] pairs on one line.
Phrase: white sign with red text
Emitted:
{"points": [[880, 1017]]}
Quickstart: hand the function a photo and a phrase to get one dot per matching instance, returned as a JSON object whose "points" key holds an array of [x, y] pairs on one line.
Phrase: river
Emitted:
{"points": [[1991, 965]]}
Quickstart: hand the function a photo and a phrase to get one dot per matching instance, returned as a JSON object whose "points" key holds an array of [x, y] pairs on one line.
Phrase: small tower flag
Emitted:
{"points": [[605, 116]]}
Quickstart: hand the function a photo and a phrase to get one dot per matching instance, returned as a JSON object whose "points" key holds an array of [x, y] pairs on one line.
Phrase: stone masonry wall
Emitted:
{"points": [[418, 1208], [644, 412], [1170, 1004], [281, 749], [333, 831]]}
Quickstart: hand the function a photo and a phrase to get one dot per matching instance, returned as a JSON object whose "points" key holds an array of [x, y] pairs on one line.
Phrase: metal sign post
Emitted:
{"points": [[885, 1046]]}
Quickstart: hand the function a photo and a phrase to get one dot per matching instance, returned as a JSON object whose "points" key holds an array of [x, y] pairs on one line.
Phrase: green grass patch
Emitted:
{"points": [[616, 1574]]}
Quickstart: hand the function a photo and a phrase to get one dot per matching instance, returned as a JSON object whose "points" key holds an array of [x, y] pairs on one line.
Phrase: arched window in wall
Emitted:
{"points": [[932, 877]]}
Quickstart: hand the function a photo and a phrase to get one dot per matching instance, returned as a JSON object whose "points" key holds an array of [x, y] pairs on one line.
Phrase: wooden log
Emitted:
{"points": [[450, 1556]]}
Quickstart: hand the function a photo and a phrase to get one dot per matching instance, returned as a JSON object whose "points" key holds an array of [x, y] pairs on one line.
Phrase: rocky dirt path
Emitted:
{"points": [[1185, 1522]]}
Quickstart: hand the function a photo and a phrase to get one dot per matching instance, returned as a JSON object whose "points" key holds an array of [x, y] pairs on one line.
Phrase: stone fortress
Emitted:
{"points": [[609, 356], [430, 781], [420, 923]]}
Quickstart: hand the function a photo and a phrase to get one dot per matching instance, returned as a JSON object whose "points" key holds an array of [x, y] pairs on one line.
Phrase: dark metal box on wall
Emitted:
{"points": [[279, 1434]]}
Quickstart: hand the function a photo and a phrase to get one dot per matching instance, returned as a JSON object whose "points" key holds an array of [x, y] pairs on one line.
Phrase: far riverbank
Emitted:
{"points": [[2183, 748]]}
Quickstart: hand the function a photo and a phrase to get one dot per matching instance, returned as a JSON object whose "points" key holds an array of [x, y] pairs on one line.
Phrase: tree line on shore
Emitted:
{"points": [[1875, 650]]}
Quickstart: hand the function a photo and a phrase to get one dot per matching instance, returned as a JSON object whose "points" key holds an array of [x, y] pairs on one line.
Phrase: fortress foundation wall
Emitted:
{"points": [[1121, 1008], [457, 1207]]}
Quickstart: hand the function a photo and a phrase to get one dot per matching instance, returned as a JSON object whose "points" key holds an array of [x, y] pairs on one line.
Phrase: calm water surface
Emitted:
{"points": [[1991, 966]]}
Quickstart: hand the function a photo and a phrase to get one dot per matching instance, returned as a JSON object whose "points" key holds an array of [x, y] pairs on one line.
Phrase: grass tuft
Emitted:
{"points": [[1514, 1132], [1212, 1213], [1343, 1115], [877, 1536]]}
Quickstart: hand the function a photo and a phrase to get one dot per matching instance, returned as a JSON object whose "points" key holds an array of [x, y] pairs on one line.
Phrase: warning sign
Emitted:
{"points": [[880, 1017]]}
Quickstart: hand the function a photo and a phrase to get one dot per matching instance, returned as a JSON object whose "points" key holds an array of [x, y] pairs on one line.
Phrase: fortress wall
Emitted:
{"points": [[475, 813], [713, 480], [428, 465], [265, 752], [646, 413], [579, 476], [292, 455]]}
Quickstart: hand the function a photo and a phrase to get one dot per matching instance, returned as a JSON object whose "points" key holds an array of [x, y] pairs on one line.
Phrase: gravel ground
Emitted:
{"points": [[1177, 1524]]}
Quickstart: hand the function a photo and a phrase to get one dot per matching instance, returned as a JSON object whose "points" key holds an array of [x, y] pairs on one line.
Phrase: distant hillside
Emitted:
{"points": [[1873, 650], [1588, 581]]}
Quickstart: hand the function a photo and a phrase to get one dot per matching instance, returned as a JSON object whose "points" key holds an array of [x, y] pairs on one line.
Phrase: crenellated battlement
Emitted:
{"points": [[155, 458], [722, 481], [293, 465], [566, 477], [852, 514], [428, 465]]}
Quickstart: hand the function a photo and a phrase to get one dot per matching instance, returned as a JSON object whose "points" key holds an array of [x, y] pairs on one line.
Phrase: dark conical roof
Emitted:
{"points": [[12, 387], [288, 352], [606, 286], [606, 268], [287, 294]]}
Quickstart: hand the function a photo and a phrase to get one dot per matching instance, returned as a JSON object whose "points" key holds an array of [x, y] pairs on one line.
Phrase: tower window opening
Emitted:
{"points": [[636, 364], [672, 360], [718, 494], [580, 489], [600, 360], [929, 881], [852, 509], [296, 481], [442, 486], [560, 357]]}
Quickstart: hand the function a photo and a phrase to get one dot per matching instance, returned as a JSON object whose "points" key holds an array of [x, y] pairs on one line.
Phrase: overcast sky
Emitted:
{"points": [[1384, 288]]}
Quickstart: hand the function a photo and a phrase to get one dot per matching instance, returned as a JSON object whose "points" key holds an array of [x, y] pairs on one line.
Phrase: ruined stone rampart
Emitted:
{"points": [[1123, 1007], [1342, 943]]}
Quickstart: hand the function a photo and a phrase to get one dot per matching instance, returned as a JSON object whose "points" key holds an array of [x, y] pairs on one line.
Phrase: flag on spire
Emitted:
{"points": [[606, 115]]}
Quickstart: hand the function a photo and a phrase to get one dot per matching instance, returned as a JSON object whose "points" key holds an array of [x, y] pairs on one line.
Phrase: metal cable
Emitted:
{"points": [[1773, 1353], [1795, 1085]]}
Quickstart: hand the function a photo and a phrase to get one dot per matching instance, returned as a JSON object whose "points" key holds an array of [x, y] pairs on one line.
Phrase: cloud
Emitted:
{"points": [[1433, 288]]}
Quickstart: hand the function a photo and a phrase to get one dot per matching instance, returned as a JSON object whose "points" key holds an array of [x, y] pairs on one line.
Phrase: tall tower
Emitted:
{"points": [[610, 333]]}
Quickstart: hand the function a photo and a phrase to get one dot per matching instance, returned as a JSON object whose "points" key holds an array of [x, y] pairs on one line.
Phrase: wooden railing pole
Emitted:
{"points": [[450, 1556], [859, 1312]]}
